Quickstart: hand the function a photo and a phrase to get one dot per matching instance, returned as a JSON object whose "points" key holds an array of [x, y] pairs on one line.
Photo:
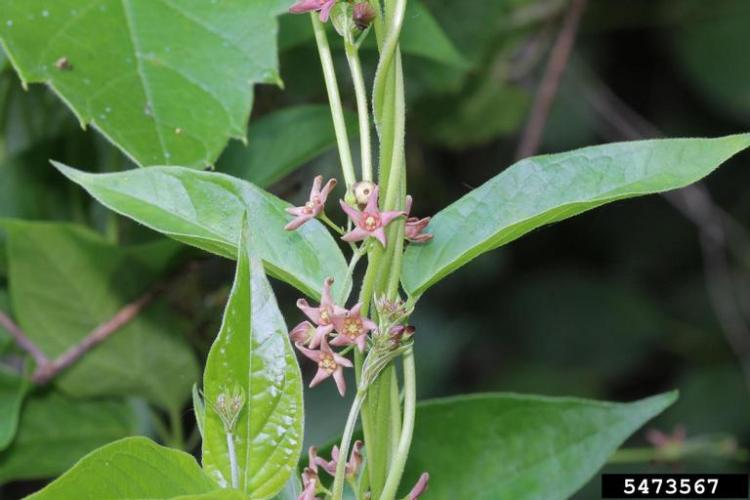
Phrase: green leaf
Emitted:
{"points": [[252, 352], [169, 82], [520, 447], [5, 339], [205, 209], [280, 143], [56, 431], [12, 392], [199, 408], [66, 280], [132, 468], [545, 189]]}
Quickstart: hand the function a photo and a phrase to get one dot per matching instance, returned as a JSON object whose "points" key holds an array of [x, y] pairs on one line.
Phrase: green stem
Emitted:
{"points": [[386, 56], [233, 460], [399, 132], [395, 407], [175, 422], [328, 222], [356, 256], [346, 441], [407, 429], [337, 110], [360, 90]]}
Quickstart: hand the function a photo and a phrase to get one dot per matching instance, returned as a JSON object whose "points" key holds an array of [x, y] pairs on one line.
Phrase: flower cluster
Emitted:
{"points": [[329, 324], [367, 219], [362, 13], [313, 486], [348, 326]]}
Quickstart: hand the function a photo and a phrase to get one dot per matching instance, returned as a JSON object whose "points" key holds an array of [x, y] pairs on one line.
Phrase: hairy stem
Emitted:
{"points": [[363, 110], [388, 50], [346, 441], [334, 99], [407, 429]]}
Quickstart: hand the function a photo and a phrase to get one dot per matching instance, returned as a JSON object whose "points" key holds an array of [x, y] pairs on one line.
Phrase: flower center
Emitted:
{"points": [[309, 207], [352, 327], [327, 363], [370, 222], [325, 316]]}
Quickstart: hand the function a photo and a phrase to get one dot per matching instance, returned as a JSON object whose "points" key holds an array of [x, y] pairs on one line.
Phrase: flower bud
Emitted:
{"points": [[363, 15], [363, 190], [228, 406]]}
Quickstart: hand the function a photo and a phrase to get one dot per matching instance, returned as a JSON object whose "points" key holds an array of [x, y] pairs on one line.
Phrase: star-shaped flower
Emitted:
{"points": [[415, 226], [322, 6], [314, 205], [352, 466], [370, 221], [310, 477], [352, 328], [322, 316], [329, 363]]}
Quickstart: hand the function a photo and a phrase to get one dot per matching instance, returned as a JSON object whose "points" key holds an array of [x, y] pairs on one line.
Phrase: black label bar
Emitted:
{"points": [[675, 486]]}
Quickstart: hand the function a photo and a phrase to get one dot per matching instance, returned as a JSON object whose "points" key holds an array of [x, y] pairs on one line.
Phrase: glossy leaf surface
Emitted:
{"points": [[493, 446], [205, 209], [546, 189], [169, 82], [253, 352], [132, 468]]}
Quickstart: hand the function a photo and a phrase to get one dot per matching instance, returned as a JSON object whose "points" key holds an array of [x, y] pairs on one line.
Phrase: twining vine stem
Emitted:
{"points": [[360, 91], [334, 98], [346, 440], [407, 428]]}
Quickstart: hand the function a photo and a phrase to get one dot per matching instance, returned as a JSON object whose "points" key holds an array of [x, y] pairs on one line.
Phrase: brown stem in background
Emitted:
{"points": [[47, 371], [545, 96], [719, 233], [22, 340]]}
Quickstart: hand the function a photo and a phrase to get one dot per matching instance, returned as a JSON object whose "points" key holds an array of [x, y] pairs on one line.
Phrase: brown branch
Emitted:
{"points": [[545, 96], [47, 371], [22, 340]]}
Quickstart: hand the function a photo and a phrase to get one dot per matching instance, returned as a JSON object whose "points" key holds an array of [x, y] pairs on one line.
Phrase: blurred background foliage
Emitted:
{"points": [[615, 304]]}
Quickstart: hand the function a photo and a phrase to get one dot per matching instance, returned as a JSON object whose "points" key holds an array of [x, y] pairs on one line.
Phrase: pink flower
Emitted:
{"points": [[322, 6], [303, 333], [329, 363], [310, 484], [370, 221], [352, 328], [415, 226], [662, 440], [322, 315], [310, 477], [352, 466], [419, 488], [314, 205]]}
